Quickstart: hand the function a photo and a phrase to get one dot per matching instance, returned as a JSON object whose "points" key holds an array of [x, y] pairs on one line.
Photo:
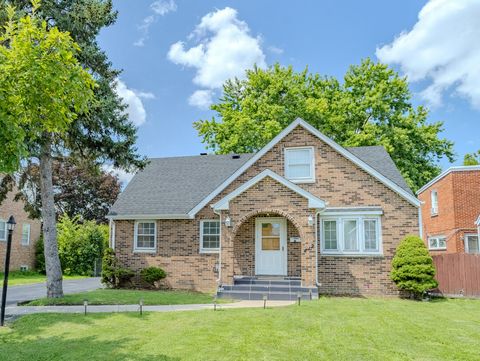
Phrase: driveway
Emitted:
{"points": [[23, 293]]}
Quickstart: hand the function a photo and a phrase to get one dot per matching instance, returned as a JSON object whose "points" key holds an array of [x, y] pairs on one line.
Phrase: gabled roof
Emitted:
{"points": [[179, 187], [313, 201], [462, 168]]}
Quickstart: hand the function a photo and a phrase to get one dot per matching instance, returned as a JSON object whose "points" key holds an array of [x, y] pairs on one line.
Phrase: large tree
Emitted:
{"points": [[81, 188], [105, 133], [472, 158], [43, 89], [372, 106]]}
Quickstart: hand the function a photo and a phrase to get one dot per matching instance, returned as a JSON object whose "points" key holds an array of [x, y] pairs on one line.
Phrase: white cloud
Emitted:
{"points": [[223, 49], [159, 8], [443, 48], [133, 100], [275, 50], [123, 177], [201, 99]]}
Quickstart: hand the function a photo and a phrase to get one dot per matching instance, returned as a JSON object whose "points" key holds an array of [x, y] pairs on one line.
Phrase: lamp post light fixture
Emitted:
{"points": [[10, 227]]}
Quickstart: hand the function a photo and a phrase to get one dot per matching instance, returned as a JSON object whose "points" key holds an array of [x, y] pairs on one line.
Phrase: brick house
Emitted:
{"points": [[451, 211], [26, 233], [303, 214]]}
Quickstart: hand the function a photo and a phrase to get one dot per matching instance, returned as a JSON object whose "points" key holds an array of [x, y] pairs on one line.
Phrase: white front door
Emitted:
{"points": [[271, 246]]}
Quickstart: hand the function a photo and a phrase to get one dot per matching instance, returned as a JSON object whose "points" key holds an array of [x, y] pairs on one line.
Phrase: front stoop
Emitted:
{"points": [[275, 288]]}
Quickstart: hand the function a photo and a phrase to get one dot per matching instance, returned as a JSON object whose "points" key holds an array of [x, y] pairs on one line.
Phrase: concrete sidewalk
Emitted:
{"points": [[14, 311]]}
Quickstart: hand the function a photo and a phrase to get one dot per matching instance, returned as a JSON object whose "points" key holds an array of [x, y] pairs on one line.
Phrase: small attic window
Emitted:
{"points": [[300, 164]]}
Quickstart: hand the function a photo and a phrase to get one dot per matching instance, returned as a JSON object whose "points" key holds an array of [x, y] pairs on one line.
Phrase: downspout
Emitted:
{"points": [[420, 220], [317, 215], [219, 251]]}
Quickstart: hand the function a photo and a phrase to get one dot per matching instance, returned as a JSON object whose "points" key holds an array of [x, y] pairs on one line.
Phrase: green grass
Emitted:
{"points": [[126, 297], [29, 277], [327, 329]]}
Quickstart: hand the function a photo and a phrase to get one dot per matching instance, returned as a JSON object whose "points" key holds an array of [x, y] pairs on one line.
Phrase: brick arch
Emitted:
{"points": [[279, 212]]}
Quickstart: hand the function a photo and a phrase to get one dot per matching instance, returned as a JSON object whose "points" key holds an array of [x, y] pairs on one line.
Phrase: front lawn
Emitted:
{"points": [[327, 329], [126, 297], [29, 277]]}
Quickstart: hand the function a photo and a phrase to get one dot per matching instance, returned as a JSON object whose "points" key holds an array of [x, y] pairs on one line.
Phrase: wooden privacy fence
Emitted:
{"points": [[458, 274]]}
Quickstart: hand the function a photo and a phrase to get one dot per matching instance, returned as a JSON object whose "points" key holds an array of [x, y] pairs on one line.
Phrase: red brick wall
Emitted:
{"points": [[20, 255], [458, 209]]}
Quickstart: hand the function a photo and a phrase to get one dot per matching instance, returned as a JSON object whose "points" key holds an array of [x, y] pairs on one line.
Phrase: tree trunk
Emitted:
{"points": [[52, 261]]}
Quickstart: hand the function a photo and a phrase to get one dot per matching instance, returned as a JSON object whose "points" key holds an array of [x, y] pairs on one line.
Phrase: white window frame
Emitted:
{"points": [[5, 230], [437, 248], [29, 227], [340, 251], [210, 250], [311, 178], [137, 249], [434, 202], [465, 236]]}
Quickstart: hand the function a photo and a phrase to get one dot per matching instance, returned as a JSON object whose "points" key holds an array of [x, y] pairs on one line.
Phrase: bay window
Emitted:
{"points": [[352, 235]]}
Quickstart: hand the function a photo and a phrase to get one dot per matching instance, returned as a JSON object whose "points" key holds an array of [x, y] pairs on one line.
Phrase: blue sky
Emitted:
{"points": [[158, 80]]}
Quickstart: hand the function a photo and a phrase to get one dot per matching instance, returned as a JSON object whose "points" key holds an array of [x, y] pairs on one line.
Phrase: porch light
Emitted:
{"points": [[228, 222], [310, 220], [11, 224]]}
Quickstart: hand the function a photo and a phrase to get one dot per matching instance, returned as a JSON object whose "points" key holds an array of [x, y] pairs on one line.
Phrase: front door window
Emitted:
{"points": [[270, 236]]}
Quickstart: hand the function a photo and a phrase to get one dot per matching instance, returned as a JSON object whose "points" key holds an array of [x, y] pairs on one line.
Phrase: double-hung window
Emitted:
{"points": [[300, 164], [471, 243], [145, 236], [25, 241], [351, 235], [437, 243], [3, 230], [209, 236]]}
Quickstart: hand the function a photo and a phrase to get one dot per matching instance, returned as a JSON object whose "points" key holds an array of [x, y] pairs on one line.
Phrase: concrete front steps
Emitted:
{"points": [[275, 288]]}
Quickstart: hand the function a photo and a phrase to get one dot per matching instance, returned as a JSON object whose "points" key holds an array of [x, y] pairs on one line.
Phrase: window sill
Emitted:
{"points": [[437, 249], [302, 181], [144, 251], [207, 251], [332, 254], [434, 214]]}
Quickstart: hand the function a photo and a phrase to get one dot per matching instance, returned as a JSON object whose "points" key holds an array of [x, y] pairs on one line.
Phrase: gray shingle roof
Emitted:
{"points": [[173, 186], [377, 157]]}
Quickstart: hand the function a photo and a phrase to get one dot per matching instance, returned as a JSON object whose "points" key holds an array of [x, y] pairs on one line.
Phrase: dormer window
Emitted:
{"points": [[300, 164]]}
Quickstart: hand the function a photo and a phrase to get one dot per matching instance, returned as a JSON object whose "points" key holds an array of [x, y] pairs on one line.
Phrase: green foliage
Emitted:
{"points": [[371, 107], [412, 267], [40, 256], [114, 276], [80, 244], [43, 87], [152, 274], [472, 158]]}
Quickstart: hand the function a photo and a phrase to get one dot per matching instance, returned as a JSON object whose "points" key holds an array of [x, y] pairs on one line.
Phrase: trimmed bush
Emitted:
{"points": [[412, 267], [114, 276], [151, 275]]}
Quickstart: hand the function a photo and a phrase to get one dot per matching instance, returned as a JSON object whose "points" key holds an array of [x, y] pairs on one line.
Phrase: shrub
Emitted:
{"points": [[39, 256], [152, 274], [80, 244], [114, 276], [412, 267]]}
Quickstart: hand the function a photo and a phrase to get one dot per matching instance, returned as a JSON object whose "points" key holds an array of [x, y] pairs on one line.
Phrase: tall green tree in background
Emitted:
{"points": [[372, 106], [105, 133], [472, 158], [42, 90]]}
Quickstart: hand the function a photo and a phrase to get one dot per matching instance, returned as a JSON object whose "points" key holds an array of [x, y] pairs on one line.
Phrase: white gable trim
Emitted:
{"points": [[313, 202], [478, 221], [300, 122], [461, 168]]}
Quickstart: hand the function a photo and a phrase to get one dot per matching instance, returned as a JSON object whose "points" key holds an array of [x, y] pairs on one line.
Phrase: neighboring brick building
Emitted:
{"points": [[303, 214], [25, 235], [450, 209]]}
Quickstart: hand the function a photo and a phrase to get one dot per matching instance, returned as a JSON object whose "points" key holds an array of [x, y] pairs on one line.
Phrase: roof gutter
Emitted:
{"points": [[147, 216]]}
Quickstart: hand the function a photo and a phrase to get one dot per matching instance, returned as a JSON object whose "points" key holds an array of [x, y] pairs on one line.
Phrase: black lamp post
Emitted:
{"points": [[10, 227]]}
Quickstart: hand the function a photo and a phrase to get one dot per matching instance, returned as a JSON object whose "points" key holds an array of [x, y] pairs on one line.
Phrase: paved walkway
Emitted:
{"points": [[25, 310], [22, 293]]}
